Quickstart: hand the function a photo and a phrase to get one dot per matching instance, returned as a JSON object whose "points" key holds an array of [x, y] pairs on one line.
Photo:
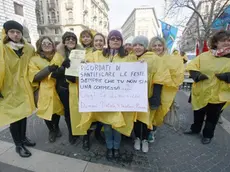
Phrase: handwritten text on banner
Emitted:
{"points": [[112, 87]]}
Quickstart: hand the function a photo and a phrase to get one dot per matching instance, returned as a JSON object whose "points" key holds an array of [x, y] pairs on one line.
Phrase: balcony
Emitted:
{"points": [[69, 5], [51, 6], [53, 21]]}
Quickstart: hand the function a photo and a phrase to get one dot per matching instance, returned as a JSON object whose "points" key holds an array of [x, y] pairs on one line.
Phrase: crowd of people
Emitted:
{"points": [[34, 82]]}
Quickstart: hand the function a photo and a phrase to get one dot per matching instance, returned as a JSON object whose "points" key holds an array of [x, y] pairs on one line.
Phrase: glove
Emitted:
{"points": [[52, 68], [197, 76], [224, 77], [155, 100], [71, 79], [58, 73], [1, 96], [66, 63]]}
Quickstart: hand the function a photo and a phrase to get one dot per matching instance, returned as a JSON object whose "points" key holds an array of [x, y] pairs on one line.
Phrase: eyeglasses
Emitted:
{"points": [[46, 44], [115, 38]]}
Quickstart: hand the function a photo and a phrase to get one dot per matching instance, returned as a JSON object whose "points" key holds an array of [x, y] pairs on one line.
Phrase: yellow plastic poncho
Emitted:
{"points": [[75, 115], [18, 101], [120, 121], [176, 68], [49, 102], [157, 74], [211, 90]]}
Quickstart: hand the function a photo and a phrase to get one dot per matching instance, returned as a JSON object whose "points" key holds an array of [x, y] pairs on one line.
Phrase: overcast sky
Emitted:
{"points": [[121, 9]]}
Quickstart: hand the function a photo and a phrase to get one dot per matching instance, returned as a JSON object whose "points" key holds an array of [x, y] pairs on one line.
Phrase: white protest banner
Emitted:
{"points": [[112, 87], [76, 56]]}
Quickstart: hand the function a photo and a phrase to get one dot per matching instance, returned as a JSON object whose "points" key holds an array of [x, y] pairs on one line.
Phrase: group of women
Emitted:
{"points": [[35, 82]]}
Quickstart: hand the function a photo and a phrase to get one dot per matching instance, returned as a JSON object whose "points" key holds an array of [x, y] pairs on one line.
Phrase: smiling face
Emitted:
{"points": [[70, 42], [15, 35], [47, 46], [158, 47], [98, 42], [224, 43], [115, 42], [86, 39], [138, 49]]}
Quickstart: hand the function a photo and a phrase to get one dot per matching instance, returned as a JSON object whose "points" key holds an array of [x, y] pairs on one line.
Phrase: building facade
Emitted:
{"points": [[57, 16], [194, 25], [142, 21], [22, 11]]}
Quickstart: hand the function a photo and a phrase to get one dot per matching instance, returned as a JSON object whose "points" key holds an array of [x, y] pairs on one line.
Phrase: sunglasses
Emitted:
{"points": [[115, 38], [70, 38]]}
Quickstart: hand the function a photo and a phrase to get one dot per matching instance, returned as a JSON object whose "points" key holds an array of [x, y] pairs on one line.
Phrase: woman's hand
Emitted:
{"points": [[142, 61]]}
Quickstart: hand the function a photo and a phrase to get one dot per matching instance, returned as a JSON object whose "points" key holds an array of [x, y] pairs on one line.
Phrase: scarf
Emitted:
{"points": [[224, 52], [15, 46]]}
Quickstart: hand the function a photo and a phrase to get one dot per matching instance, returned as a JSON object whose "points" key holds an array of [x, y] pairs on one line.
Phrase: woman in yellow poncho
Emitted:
{"points": [[174, 64], [114, 122], [98, 44], [156, 78], [40, 67], [210, 90], [69, 43], [86, 39], [128, 45], [16, 94]]}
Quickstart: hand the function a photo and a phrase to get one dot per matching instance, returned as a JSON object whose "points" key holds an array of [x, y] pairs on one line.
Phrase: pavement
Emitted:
{"points": [[171, 152]]}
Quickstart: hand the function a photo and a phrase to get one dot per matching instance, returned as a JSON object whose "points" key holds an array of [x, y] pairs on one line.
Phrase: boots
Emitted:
{"points": [[86, 143], [18, 132], [23, 151], [52, 133]]}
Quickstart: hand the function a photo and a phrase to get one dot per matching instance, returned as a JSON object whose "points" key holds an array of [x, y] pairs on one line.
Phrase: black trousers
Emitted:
{"points": [[53, 125], [212, 112], [18, 131], [64, 97], [141, 130]]}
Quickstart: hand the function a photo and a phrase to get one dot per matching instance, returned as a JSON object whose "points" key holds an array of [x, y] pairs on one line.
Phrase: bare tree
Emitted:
{"points": [[202, 17]]}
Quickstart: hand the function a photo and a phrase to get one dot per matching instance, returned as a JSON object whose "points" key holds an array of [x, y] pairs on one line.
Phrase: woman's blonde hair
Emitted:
{"points": [[155, 39]]}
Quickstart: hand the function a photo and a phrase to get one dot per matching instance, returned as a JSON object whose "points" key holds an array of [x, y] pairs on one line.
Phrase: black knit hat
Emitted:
{"points": [[11, 24], [67, 35]]}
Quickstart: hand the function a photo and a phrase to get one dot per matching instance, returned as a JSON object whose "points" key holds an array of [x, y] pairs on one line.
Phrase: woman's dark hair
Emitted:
{"points": [[39, 46], [7, 39], [218, 36], [86, 32], [121, 52]]}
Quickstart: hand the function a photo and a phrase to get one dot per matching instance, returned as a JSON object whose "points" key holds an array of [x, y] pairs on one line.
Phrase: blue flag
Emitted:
{"points": [[169, 34], [223, 21]]}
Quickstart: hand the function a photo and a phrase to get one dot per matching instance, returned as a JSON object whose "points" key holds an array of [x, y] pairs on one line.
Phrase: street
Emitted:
{"points": [[171, 152]]}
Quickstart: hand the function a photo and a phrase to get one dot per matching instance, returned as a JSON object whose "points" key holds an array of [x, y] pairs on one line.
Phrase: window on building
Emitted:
{"points": [[42, 31], [70, 15], [18, 9], [71, 29], [56, 31]]}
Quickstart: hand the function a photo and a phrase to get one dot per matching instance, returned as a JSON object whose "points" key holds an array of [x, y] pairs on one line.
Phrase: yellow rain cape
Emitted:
{"points": [[211, 90], [176, 69], [157, 74], [18, 101], [75, 115], [120, 121], [49, 102]]}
